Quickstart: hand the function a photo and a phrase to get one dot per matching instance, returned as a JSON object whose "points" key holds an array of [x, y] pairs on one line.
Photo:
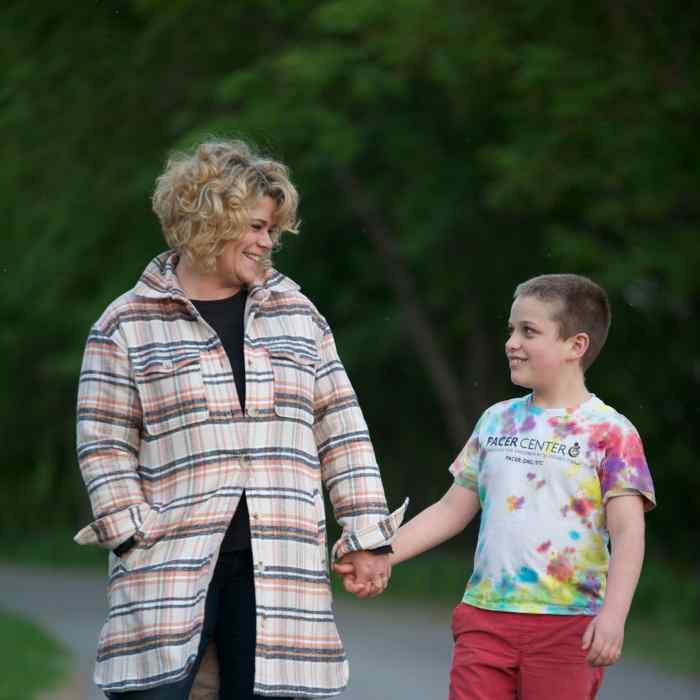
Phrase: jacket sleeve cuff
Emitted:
{"points": [[125, 547], [113, 529], [378, 534]]}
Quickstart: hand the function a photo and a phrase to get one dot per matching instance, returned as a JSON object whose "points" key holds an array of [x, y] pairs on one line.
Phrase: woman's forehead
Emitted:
{"points": [[264, 208]]}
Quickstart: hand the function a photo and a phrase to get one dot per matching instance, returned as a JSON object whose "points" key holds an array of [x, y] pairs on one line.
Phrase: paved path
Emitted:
{"points": [[395, 653]]}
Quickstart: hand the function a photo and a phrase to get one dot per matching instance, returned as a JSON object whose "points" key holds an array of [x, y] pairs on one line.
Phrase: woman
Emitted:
{"points": [[212, 409]]}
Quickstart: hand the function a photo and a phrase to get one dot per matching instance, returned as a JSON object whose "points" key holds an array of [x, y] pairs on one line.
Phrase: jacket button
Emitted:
{"points": [[253, 412]]}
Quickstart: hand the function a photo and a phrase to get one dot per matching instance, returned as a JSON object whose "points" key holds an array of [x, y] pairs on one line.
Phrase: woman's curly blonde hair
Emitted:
{"points": [[204, 196]]}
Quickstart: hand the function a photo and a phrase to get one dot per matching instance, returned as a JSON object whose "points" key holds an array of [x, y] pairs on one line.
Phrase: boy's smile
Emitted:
{"points": [[536, 354]]}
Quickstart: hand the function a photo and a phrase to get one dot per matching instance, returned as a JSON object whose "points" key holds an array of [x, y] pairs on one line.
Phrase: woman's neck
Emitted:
{"points": [[202, 285]]}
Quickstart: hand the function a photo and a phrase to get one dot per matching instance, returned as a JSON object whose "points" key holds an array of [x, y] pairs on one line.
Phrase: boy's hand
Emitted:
{"points": [[364, 574], [603, 638]]}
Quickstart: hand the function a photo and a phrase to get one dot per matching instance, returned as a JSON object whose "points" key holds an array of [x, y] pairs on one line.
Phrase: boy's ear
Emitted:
{"points": [[579, 343]]}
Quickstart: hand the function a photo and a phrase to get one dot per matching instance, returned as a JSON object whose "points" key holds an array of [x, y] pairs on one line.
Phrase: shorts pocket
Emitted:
{"points": [[463, 619]]}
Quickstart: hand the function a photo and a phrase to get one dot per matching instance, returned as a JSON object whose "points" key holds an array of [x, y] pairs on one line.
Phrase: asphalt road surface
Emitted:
{"points": [[396, 651]]}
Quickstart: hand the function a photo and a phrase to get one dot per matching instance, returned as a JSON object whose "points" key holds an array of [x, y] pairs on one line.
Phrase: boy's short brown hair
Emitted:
{"points": [[584, 308]]}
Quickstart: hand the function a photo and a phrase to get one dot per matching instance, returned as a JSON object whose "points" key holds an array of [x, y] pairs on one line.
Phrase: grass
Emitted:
{"points": [[32, 661], [664, 623], [53, 548], [669, 647], [663, 628]]}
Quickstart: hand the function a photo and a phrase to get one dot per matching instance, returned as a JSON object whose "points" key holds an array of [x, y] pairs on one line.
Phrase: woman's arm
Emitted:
{"points": [[109, 418], [348, 464]]}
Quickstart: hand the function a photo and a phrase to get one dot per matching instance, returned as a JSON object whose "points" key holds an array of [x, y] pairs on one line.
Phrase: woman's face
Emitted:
{"points": [[240, 262]]}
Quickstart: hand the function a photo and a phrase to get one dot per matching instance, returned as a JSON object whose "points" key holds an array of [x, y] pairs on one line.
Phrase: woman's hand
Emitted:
{"points": [[364, 574]]}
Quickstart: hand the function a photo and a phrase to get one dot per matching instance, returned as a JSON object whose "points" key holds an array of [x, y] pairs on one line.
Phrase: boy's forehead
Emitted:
{"points": [[532, 307]]}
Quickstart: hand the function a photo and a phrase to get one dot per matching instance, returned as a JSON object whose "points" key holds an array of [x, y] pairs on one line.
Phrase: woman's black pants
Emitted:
{"points": [[229, 620]]}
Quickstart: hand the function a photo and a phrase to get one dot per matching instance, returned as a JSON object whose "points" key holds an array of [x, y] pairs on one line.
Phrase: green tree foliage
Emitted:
{"points": [[444, 150]]}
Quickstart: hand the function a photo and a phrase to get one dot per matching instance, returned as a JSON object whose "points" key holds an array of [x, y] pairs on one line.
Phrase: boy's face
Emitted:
{"points": [[537, 356]]}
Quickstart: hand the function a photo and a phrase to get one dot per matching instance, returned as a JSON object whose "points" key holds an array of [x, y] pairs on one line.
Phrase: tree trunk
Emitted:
{"points": [[478, 366], [420, 328]]}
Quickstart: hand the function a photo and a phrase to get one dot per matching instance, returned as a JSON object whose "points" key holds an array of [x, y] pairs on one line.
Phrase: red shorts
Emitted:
{"points": [[502, 655]]}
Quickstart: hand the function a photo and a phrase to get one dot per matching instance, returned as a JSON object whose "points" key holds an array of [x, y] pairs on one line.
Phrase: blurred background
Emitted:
{"points": [[445, 150]]}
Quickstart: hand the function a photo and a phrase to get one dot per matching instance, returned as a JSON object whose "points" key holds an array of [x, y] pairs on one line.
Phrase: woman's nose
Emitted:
{"points": [[265, 239]]}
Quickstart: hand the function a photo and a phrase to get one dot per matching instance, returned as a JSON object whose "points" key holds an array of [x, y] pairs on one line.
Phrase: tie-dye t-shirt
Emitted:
{"points": [[543, 477]]}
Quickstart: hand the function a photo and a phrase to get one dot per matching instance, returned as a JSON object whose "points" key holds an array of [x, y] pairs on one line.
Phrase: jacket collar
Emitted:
{"points": [[159, 281]]}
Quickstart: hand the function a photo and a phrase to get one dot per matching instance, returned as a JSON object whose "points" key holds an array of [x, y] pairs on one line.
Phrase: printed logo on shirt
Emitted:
{"points": [[544, 448]]}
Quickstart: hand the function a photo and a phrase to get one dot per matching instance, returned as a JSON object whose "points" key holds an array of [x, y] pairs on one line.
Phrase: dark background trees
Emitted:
{"points": [[445, 150]]}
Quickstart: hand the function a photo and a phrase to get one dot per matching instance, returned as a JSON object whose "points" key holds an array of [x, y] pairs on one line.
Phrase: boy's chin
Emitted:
{"points": [[519, 381]]}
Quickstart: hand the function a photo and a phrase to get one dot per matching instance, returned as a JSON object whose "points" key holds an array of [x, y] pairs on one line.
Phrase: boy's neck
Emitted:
{"points": [[569, 392]]}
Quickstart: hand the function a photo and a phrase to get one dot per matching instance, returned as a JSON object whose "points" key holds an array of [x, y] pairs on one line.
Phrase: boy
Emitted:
{"points": [[556, 474]]}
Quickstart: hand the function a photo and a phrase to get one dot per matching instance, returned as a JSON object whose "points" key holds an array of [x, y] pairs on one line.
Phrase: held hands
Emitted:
{"points": [[364, 574], [603, 638]]}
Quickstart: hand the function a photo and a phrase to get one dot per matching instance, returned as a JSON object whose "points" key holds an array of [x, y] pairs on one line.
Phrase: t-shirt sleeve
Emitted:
{"points": [[624, 467], [465, 468]]}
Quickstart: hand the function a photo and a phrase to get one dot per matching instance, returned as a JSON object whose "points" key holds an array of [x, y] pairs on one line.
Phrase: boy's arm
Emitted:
{"points": [[436, 524], [432, 526], [605, 634]]}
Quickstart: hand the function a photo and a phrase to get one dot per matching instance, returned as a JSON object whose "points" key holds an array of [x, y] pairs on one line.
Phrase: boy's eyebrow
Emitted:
{"points": [[524, 322]]}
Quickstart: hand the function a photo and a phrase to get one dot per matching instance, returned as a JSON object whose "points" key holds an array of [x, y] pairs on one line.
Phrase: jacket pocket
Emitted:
{"points": [[144, 555], [294, 378], [172, 393], [320, 510]]}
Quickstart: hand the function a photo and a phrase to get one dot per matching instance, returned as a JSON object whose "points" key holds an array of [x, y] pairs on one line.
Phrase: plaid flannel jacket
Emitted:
{"points": [[165, 452]]}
